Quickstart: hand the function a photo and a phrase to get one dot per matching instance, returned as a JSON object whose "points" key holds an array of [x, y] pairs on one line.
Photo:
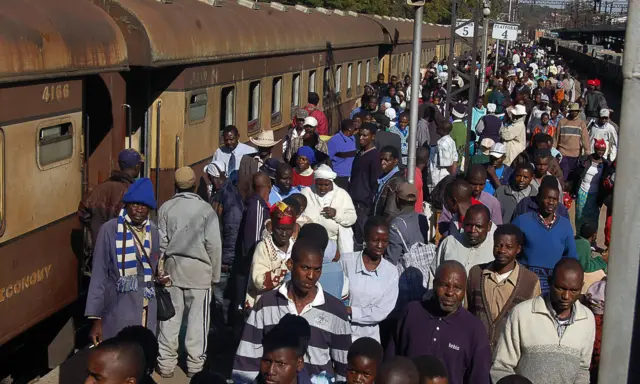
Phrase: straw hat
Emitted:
{"points": [[265, 139]]}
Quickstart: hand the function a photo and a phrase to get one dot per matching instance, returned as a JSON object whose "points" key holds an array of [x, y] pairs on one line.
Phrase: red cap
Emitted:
{"points": [[596, 82], [591, 82]]}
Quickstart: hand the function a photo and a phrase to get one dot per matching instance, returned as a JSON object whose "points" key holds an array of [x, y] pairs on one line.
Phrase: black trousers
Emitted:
{"points": [[342, 182], [362, 213]]}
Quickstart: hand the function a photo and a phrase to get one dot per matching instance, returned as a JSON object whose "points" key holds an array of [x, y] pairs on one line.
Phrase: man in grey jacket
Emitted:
{"points": [[191, 247]]}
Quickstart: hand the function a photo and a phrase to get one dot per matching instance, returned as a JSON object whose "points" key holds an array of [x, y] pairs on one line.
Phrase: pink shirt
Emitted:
{"points": [[418, 184]]}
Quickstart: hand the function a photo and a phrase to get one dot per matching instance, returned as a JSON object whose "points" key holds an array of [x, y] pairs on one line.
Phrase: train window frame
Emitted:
{"points": [[359, 77], [349, 79], [224, 106], [276, 100], [312, 81], [3, 194], [296, 80], [254, 97], [338, 80], [367, 72], [197, 99], [70, 136], [326, 83]]}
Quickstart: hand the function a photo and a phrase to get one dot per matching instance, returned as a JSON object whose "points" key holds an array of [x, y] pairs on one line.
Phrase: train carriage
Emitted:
{"points": [[80, 80], [47, 63]]}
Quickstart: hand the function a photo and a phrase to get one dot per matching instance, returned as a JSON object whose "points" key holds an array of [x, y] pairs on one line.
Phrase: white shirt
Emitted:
{"points": [[515, 58], [372, 294], [223, 154], [444, 156], [607, 133], [591, 179]]}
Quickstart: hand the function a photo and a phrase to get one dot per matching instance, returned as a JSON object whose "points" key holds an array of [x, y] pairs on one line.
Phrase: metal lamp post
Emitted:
{"points": [[486, 11]]}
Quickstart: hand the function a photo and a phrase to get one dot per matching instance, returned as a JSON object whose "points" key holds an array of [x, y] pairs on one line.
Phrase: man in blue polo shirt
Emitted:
{"points": [[342, 151]]}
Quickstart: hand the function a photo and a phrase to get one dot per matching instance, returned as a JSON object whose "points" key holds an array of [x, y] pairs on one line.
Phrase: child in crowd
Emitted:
{"points": [[431, 370], [363, 359], [595, 268]]}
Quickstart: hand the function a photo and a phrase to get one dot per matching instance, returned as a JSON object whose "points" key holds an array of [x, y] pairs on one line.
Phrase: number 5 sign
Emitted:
{"points": [[465, 31], [505, 32]]}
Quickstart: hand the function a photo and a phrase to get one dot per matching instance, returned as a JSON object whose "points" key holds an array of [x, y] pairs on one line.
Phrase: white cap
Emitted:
{"points": [[551, 61], [604, 113], [310, 121], [544, 97], [390, 113], [498, 150], [491, 107], [387, 104]]}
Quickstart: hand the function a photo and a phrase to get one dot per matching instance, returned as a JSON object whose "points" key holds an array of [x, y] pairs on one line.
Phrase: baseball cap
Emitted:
{"points": [[129, 158], [604, 113], [407, 192], [498, 150], [310, 121], [544, 97]]}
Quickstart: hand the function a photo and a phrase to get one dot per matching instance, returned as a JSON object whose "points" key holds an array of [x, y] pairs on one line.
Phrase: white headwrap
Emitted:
{"points": [[387, 105], [324, 172], [390, 113], [491, 107], [215, 167]]}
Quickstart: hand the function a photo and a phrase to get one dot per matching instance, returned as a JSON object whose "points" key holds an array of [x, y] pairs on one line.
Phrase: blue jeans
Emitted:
{"points": [[221, 304]]}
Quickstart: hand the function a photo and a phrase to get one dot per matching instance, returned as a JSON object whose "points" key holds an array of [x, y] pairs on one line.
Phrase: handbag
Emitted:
{"points": [[166, 310]]}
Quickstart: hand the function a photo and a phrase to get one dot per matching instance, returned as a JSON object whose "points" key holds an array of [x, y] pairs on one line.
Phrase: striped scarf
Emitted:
{"points": [[127, 260]]}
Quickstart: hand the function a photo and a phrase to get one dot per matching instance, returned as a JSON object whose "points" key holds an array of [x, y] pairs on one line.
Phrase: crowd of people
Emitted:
{"points": [[325, 264]]}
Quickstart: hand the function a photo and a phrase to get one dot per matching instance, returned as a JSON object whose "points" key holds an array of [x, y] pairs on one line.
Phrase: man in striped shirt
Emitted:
{"points": [[302, 296]]}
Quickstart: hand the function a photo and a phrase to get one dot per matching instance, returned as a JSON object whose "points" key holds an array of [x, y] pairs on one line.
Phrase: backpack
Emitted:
{"points": [[416, 270]]}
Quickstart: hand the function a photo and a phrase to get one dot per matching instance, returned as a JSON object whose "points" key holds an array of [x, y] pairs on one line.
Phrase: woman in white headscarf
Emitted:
{"points": [[331, 207]]}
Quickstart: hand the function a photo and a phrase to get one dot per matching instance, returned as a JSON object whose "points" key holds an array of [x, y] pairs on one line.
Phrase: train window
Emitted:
{"points": [[326, 86], [295, 90], [55, 143], [276, 95], [197, 107], [227, 106], [312, 81], [349, 78], [339, 79], [254, 100], [276, 100], [359, 74], [367, 72]]}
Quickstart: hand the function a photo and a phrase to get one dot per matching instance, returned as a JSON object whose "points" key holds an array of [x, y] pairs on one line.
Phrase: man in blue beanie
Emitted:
{"points": [[105, 201], [121, 292]]}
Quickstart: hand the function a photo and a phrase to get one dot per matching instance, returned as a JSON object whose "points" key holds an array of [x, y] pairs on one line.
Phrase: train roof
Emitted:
{"points": [[400, 31], [57, 38], [190, 31]]}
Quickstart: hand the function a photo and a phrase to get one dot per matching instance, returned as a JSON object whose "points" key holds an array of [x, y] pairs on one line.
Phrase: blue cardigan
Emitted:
{"points": [[544, 247]]}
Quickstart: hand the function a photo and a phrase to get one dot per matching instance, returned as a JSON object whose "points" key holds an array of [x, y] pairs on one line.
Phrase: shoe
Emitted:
{"points": [[164, 375]]}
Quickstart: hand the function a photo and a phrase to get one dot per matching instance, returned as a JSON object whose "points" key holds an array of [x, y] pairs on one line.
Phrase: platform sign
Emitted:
{"points": [[466, 31], [505, 32]]}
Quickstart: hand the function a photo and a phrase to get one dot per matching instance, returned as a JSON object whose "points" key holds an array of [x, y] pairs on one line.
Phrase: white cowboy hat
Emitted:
{"points": [[265, 139]]}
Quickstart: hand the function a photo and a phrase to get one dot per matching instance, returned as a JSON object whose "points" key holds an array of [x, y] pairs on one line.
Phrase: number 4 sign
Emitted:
{"points": [[505, 32]]}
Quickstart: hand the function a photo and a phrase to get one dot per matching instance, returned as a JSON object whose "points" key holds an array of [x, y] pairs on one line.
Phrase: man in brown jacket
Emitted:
{"points": [[105, 201], [251, 163], [572, 140], [493, 289]]}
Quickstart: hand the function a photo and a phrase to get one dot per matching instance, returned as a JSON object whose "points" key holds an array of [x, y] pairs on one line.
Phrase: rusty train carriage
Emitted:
{"points": [[82, 79], [47, 59]]}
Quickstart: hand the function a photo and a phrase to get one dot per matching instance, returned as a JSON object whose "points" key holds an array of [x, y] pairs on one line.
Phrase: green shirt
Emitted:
{"points": [[589, 263], [459, 136]]}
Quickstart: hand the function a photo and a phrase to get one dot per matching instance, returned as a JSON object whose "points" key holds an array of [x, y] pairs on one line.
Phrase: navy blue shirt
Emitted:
{"points": [[459, 340]]}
